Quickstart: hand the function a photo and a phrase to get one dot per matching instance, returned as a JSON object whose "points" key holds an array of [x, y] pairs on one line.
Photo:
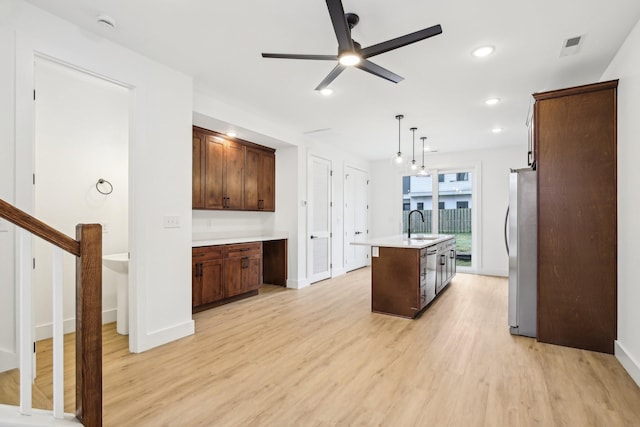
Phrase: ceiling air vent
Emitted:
{"points": [[572, 45]]}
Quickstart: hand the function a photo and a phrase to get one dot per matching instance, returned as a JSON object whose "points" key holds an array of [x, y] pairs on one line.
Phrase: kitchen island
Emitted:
{"points": [[408, 274]]}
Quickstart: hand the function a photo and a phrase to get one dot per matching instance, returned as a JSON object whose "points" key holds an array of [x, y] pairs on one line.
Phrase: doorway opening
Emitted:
{"points": [[81, 137]]}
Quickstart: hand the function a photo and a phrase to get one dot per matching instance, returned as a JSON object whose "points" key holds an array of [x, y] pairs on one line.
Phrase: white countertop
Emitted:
{"points": [[212, 239], [400, 241]]}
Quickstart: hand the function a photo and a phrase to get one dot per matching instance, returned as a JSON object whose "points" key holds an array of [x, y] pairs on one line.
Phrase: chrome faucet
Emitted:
{"points": [[409, 226]]}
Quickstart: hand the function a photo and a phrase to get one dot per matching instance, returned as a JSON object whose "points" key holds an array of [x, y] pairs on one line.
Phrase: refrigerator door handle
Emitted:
{"points": [[506, 225]]}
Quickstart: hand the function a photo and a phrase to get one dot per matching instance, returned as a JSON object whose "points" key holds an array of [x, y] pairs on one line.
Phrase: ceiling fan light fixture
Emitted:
{"points": [[349, 59], [497, 130], [492, 101], [326, 91], [483, 51]]}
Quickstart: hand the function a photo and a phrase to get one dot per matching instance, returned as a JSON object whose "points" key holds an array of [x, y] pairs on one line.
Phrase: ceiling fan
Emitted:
{"points": [[350, 53]]}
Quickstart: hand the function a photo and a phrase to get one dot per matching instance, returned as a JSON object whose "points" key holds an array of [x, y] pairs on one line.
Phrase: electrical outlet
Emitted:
{"points": [[171, 221]]}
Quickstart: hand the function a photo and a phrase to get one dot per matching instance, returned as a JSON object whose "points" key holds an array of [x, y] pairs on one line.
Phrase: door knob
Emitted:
{"points": [[313, 237]]}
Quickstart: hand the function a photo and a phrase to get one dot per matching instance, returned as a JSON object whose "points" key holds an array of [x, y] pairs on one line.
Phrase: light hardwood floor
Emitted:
{"points": [[319, 357]]}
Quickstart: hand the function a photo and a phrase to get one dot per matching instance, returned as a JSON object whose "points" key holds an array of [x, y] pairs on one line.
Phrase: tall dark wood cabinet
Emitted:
{"points": [[575, 150]]}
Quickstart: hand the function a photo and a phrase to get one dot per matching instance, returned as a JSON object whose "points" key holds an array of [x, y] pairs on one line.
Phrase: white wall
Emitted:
{"points": [[491, 191], [82, 135], [626, 67], [159, 166], [8, 357]]}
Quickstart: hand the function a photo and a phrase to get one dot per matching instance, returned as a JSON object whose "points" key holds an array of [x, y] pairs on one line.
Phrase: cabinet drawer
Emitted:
{"points": [[243, 249], [206, 253]]}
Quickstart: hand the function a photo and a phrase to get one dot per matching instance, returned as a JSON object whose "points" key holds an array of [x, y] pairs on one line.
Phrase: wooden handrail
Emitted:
{"points": [[88, 252], [38, 228]]}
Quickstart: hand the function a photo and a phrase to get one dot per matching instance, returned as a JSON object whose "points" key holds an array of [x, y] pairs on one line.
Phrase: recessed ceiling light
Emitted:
{"points": [[232, 134], [326, 91], [492, 101], [483, 51], [496, 130], [106, 21]]}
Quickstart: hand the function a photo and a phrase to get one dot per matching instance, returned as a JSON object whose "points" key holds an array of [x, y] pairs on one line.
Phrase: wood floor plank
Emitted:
{"points": [[319, 357]]}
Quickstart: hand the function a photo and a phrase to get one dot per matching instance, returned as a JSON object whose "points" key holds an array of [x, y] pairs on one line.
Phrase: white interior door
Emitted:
{"points": [[319, 220], [355, 218]]}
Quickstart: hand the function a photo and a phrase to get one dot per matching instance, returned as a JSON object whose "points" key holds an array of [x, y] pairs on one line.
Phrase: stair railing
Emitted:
{"points": [[88, 251]]}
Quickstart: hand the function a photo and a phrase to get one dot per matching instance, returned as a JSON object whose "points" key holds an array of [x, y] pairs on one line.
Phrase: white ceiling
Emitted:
{"points": [[219, 44]]}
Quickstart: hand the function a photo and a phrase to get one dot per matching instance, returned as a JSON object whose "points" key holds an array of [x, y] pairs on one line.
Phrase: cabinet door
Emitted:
{"points": [[251, 179], [234, 175], [267, 181], [233, 277], [214, 172], [251, 273], [198, 169], [196, 285], [212, 279]]}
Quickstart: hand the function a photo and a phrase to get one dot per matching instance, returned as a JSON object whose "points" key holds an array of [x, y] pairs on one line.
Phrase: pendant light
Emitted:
{"points": [[422, 170], [399, 155], [413, 159]]}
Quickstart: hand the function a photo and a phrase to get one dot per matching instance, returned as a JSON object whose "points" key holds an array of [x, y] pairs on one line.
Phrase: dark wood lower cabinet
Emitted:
{"points": [[225, 273]]}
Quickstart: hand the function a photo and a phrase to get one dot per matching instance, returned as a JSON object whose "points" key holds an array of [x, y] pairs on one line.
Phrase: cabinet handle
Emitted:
{"points": [[442, 259], [245, 262], [198, 270], [452, 254]]}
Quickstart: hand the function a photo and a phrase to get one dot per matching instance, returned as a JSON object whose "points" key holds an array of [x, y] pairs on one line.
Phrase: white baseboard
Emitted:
{"points": [[499, 273], [45, 331], [627, 361], [338, 272], [163, 336], [297, 284]]}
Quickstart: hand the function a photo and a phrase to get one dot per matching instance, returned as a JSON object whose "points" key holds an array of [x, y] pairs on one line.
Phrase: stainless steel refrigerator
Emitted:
{"points": [[521, 241]]}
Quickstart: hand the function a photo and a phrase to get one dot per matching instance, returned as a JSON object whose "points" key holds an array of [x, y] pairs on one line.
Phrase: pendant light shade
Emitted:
{"points": [[422, 170], [399, 117], [413, 157]]}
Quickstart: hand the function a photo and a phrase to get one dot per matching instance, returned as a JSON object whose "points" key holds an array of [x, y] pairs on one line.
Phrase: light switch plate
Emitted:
{"points": [[171, 221]]}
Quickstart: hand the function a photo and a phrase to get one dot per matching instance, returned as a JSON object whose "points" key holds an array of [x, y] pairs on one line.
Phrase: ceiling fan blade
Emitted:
{"points": [[383, 47], [340, 26], [377, 70], [331, 76], [300, 56]]}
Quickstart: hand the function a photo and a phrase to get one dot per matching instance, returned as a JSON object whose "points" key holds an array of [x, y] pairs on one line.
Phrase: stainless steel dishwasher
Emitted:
{"points": [[431, 273]]}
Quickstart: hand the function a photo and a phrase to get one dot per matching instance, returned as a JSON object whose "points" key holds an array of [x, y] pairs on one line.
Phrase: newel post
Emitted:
{"points": [[89, 325]]}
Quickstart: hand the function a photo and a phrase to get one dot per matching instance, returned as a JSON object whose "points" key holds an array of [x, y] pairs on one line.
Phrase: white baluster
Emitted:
{"points": [[58, 334], [25, 338]]}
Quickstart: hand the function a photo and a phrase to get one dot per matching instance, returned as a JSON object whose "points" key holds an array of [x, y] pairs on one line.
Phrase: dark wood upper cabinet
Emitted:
{"points": [[197, 172], [267, 181], [231, 174], [213, 173], [575, 143]]}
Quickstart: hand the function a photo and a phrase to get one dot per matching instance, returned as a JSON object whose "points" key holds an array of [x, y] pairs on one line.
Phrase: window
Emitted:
{"points": [[440, 205], [406, 206], [462, 205], [420, 206], [462, 176], [406, 184]]}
